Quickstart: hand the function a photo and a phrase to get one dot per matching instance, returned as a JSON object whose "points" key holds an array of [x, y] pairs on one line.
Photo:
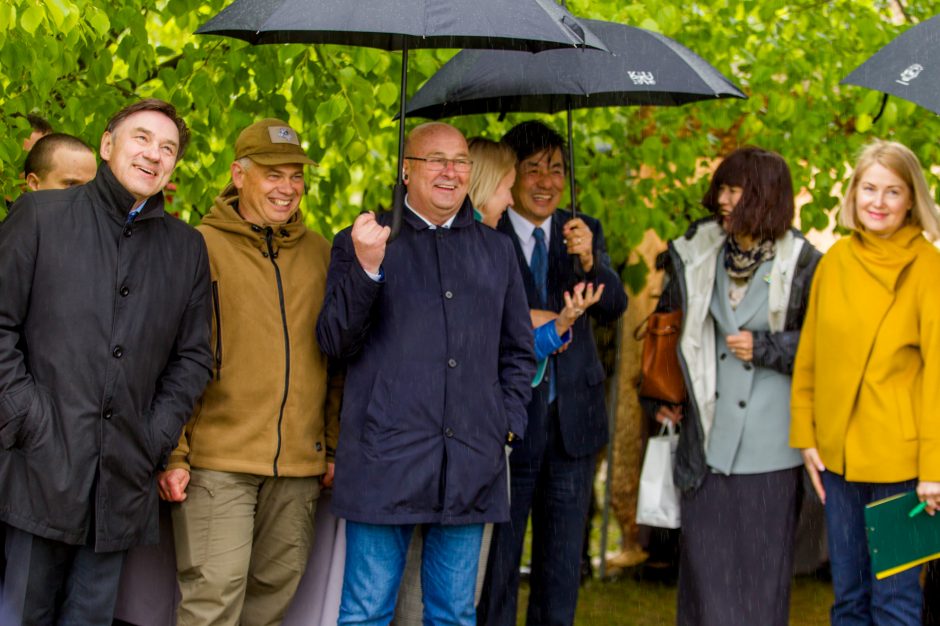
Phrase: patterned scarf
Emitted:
{"points": [[740, 264]]}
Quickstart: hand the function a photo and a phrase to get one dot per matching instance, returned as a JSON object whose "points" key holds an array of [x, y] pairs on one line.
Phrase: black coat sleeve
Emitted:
{"points": [[614, 300], [189, 367], [19, 236], [777, 351]]}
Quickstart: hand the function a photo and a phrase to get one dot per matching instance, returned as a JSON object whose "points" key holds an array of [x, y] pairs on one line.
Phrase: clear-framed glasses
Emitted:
{"points": [[439, 164]]}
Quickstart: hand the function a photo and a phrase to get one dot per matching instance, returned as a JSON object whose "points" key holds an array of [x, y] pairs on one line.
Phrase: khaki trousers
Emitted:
{"points": [[241, 546]]}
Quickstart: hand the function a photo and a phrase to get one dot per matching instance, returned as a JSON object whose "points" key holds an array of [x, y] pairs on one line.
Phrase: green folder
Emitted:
{"points": [[896, 541]]}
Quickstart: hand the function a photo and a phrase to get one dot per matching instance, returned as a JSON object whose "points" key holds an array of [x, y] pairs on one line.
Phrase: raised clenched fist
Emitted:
{"points": [[369, 240]]}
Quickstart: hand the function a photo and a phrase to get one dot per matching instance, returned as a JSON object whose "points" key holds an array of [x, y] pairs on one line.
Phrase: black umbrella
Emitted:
{"points": [[531, 25], [908, 67], [643, 68]]}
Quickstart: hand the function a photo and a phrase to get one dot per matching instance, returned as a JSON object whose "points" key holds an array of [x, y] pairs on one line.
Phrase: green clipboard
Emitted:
{"points": [[896, 541]]}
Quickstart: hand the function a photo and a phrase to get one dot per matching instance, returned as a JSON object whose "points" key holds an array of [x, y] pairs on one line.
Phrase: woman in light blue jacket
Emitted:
{"points": [[742, 280]]}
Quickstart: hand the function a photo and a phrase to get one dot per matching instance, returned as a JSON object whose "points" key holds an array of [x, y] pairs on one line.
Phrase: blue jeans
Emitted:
{"points": [[861, 599], [375, 560]]}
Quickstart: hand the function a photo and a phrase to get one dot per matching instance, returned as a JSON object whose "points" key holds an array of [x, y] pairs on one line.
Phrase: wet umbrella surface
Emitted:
{"points": [[402, 25], [643, 68], [908, 67]]}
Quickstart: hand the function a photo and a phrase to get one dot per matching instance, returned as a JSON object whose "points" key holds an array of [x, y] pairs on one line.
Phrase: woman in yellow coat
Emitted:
{"points": [[866, 382]]}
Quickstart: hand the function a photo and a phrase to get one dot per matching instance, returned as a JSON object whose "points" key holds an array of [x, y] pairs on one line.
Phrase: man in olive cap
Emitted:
{"points": [[247, 472]]}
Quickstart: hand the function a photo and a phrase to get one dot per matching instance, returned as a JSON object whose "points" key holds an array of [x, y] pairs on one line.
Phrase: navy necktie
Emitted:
{"points": [[539, 266]]}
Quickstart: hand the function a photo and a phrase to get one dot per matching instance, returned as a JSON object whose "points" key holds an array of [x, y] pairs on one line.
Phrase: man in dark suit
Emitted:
{"points": [[552, 469]]}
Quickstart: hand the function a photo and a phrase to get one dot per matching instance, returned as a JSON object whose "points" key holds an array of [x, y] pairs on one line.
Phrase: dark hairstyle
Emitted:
{"points": [[153, 104], [532, 137], [39, 123], [39, 159], [765, 210]]}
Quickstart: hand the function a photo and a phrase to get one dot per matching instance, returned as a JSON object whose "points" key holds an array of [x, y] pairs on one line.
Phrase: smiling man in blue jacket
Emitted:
{"points": [[435, 331]]}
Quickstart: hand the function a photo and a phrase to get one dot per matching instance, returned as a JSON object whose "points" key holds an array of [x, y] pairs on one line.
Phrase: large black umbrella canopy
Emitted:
{"points": [[642, 68], [908, 67], [531, 25]]}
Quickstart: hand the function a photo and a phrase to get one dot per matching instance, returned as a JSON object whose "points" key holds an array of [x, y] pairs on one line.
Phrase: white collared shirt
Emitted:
{"points": [[524, 229], [430, 225], [380, 276]]}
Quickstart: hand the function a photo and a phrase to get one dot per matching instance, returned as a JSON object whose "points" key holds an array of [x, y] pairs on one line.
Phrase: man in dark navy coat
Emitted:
{"points": [[553, 468], [435, 331]]}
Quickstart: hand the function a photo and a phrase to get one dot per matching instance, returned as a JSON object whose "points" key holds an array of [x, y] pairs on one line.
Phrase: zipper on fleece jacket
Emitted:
{"points": [[217, 309], [269, 240]]}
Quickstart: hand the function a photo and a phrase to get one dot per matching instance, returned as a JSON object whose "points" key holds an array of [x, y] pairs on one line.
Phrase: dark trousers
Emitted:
{"points": [[557, 489], [49, 582], [737, 549], [860, 599], [932, 594]]}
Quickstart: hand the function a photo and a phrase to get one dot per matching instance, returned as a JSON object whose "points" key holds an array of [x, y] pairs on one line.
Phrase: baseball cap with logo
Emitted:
{"points": [[270, 142]]}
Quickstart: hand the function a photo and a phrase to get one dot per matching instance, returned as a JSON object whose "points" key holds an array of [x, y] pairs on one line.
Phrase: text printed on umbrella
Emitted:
{"points": [[910, 73], [642, 78]]}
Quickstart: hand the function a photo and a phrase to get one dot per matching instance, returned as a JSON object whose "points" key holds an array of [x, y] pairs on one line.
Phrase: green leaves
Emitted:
{"points": [[638, 168], [31, 18]]}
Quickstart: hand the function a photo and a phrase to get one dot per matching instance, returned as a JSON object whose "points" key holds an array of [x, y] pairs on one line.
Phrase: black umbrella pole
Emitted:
{"points": [[575, 261], [571, 190], [398, 197]]}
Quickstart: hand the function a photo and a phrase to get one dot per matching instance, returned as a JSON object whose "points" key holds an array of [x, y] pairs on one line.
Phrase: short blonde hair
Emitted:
{"points": [[492, 160], [899, 159]]}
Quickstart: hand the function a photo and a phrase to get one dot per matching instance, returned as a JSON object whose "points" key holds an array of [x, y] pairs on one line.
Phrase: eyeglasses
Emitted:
{"points": [[439, 164]]}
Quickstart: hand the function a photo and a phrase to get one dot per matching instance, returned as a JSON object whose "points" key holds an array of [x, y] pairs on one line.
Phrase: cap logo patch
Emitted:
{"points": [[283, 134]]}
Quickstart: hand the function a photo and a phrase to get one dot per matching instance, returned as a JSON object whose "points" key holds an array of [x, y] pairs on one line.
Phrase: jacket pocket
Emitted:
{"points": [[193, 521], [596, 374], [217, 318], [905, 411], [153, 438], [25, 432]]}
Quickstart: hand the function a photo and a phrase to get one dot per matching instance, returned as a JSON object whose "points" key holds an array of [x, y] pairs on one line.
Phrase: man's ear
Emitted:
{"points": [[404, 172], [238, 174], [107, 142], [32, 181]]}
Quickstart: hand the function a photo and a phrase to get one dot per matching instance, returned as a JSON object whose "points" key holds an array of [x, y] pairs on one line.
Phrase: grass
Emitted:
{"points": [[628, 601]]}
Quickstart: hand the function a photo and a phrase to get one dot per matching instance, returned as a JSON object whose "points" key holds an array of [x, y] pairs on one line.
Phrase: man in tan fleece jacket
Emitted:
{"points": [[247, 472]]}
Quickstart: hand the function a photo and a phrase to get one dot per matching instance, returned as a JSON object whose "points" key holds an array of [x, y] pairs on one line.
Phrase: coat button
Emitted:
{"points": [[748, 367], [124, 291], [128, 231], [451, 362], [107, 413], [742, 404], [723, 356], [449, 294], [118, 352], [448, 432]]}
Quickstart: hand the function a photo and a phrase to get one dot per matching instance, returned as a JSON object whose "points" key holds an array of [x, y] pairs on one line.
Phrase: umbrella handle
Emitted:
{"points": [[398, 205]]}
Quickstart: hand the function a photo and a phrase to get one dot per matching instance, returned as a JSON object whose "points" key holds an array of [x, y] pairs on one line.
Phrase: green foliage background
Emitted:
{"points": [[77, 61]]}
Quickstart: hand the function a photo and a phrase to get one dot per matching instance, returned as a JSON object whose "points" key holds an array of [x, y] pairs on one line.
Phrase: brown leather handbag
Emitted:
{"points": [[661, 375]]}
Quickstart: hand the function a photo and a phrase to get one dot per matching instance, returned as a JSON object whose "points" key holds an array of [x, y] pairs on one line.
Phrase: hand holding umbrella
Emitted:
{"points": [[580, 242]]}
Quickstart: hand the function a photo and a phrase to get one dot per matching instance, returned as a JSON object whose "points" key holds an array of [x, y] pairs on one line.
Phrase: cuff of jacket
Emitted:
{"points": [[802, 433], [177, 460], [929, 462]]}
